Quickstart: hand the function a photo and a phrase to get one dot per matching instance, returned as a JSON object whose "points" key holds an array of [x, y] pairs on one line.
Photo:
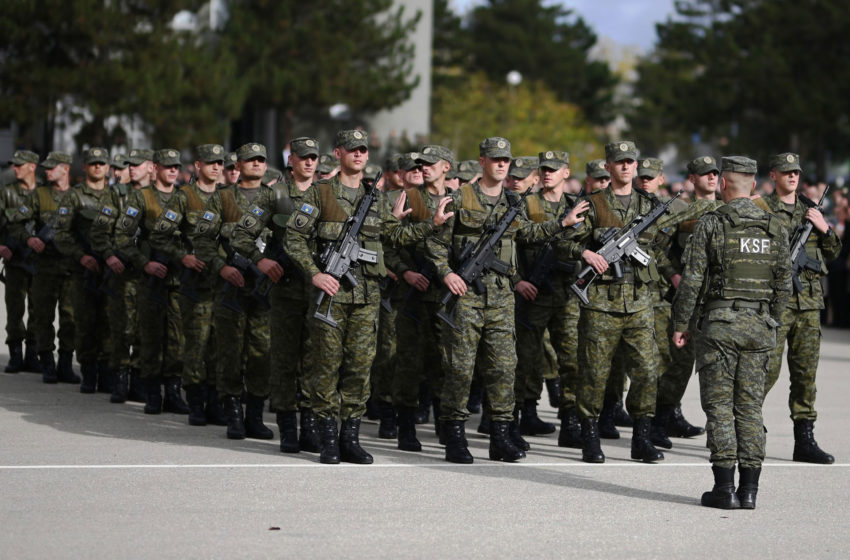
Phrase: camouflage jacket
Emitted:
{"points": [[85, 206], [43, 206], [137, 222], [12, 197]]}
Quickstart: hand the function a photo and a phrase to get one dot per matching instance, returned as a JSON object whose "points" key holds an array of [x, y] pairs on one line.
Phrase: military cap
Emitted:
{"points": [[785, 162], [432, 153], [55, 158], [467, 169], [251, 150], [350, 139], [703, 165], [96, 155], [209, 153], [305, 146], [119, 161], [522, 167], [230, 159], [620, 150], [138, 156], [327, 163], [21, 157], [554, 159], [392, 162], [495, 147], [271, 176], [408, 161], [596, 169], [739, 164], [371, 171], [167, 157], [650, 167]]}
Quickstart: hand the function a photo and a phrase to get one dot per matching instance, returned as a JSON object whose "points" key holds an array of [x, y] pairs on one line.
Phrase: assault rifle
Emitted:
{"points": [[478, 258], [413, 295], [800, 260], [619, 244], [244, 265], [189, 277], [156, 284]]}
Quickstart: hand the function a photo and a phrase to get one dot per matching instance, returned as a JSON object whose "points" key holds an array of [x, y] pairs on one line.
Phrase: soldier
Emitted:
{"points": [[119, 169], [596, 177], [289, 298], [523, 174], [140, 166], [160, 332], [467, 170], [739, 255], [800, 321], [231, 172], [35, 224], [618, 316], [327, 167], [483, 320], [343, 354], [18, 264]]}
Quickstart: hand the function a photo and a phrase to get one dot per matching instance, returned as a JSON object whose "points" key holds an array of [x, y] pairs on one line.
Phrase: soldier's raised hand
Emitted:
{"points": [[398, 208], [441, 216]]}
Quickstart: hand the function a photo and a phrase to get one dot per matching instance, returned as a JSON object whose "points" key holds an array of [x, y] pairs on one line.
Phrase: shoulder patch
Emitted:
{"points": [[171, 215], [256, 210], [208, 216], [106, 211], [132, 211], [63, 211], [307, 209], [24, 210]]}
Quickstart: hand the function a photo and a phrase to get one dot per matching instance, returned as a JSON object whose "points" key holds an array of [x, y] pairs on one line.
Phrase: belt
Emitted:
{"points": [[737, 304]]}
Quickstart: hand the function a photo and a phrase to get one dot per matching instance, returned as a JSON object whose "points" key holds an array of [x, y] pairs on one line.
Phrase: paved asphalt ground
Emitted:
{"points": [[83, 478]]}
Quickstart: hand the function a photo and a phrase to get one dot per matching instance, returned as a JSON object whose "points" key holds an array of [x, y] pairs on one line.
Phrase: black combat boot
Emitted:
{"points": [[173, 401], [607, 425], [424, 410], [349, 443], [16, 357], [88, 370], [373, 412], [120, 385], [591, 449], [642, 448], [621, 417], [65, 368], [407, 440], [213, 410], [476, 396], [484, 424], [105, 377], [287, 423], [456, 447], [309, 440], [255, 428], [330, 441], [153, 396], [658, 429], [806, 449], [387, 428], [195, 400], [138, 392], [235, 417], [515, 433], [501, 447], [722, 496], [48, 368], [570, 435], [553, 389], [677, 426], [31, 363], [748, 486], [531, 424]]}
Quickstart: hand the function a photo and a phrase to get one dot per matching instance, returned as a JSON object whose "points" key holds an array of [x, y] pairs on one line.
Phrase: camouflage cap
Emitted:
{"points": [[119, 161], [392, 163], [167, 157], [739, 164], [304, 146], [251, 150], [596, 169], [55, 158], [432, 153], [409, 160], [554, 159], [209, 153], [96, 155], [327, 163], [271, 176], [467, 169], [785, 162], [138, 156], [350, 139], [495, 147], [703, 165], [21, 157], [371, 171], [650, 167], [522, 167], [230, 159], [620, 150]]}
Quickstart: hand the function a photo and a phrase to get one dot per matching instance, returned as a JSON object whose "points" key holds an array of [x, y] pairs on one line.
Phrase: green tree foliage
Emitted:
{"points": [[750, 76], [531, 116]]}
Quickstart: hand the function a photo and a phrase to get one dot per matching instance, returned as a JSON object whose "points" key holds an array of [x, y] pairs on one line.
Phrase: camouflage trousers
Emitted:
{"points": [[601, 335], [341, 360], [382, 373], [533, 322], [197, 320], [243, 341], [18, 302], [290, 350], [568, 366], [674, 380], [51, 287], [733, 353], [419, 357], [92, 333], [160, 334], [800, 331], [124, 321]]}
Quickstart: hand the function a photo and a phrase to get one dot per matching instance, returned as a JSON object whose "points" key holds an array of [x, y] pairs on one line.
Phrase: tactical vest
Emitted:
{"points": [[202, 221], [416, 202], [153, 209], [534, 207], [472, 219]]}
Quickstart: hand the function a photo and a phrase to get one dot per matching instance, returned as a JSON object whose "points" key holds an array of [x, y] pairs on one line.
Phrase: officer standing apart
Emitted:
{"points": [[738, 256]]}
